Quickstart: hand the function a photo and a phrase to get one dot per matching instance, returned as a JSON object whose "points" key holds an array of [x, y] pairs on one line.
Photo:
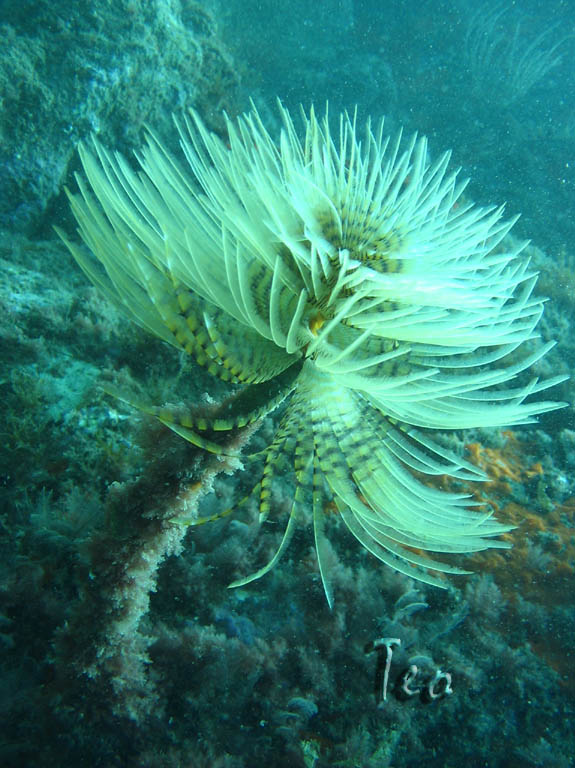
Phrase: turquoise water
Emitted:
{"points": [[122, 644]]}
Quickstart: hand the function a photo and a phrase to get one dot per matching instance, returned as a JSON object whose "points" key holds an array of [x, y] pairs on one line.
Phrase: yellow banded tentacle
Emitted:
{"points": [[390, 492], [337, 462], [277, 451], [291, 435], [353, 352], [303, 463], [321, 541], [355, 513], [376, 454], [180, 310], [286, 443], [274, 454], [245, 408], [179, 419], [209, 518], [184, 315], [416, 450], [273, 461], [249, 357], [388, 446]]}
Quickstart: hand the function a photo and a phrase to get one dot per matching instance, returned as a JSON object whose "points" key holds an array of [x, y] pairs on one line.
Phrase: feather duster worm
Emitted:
{"points": [[345, 277]]}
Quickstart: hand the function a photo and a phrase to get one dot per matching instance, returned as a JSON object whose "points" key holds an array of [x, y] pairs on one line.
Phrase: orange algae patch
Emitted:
{"points": [[540, 566], [514, 569], [503, 464]]}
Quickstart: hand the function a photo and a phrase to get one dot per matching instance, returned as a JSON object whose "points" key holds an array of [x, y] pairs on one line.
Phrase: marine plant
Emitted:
{"points": [[345, 278]]}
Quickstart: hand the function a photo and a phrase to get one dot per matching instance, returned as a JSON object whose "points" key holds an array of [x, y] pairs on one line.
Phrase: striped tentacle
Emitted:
{"points": [[386, 508], [247, 407], [303, 469], [276, 455], [277, 460], [320, 537], [201, 426]]}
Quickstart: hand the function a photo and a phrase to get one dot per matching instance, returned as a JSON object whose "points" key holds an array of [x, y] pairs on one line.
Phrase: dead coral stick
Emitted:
{"points": [[104, 645]]}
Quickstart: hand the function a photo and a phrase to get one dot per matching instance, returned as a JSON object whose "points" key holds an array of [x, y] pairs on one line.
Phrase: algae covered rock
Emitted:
{"points": [[69, 70]]}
